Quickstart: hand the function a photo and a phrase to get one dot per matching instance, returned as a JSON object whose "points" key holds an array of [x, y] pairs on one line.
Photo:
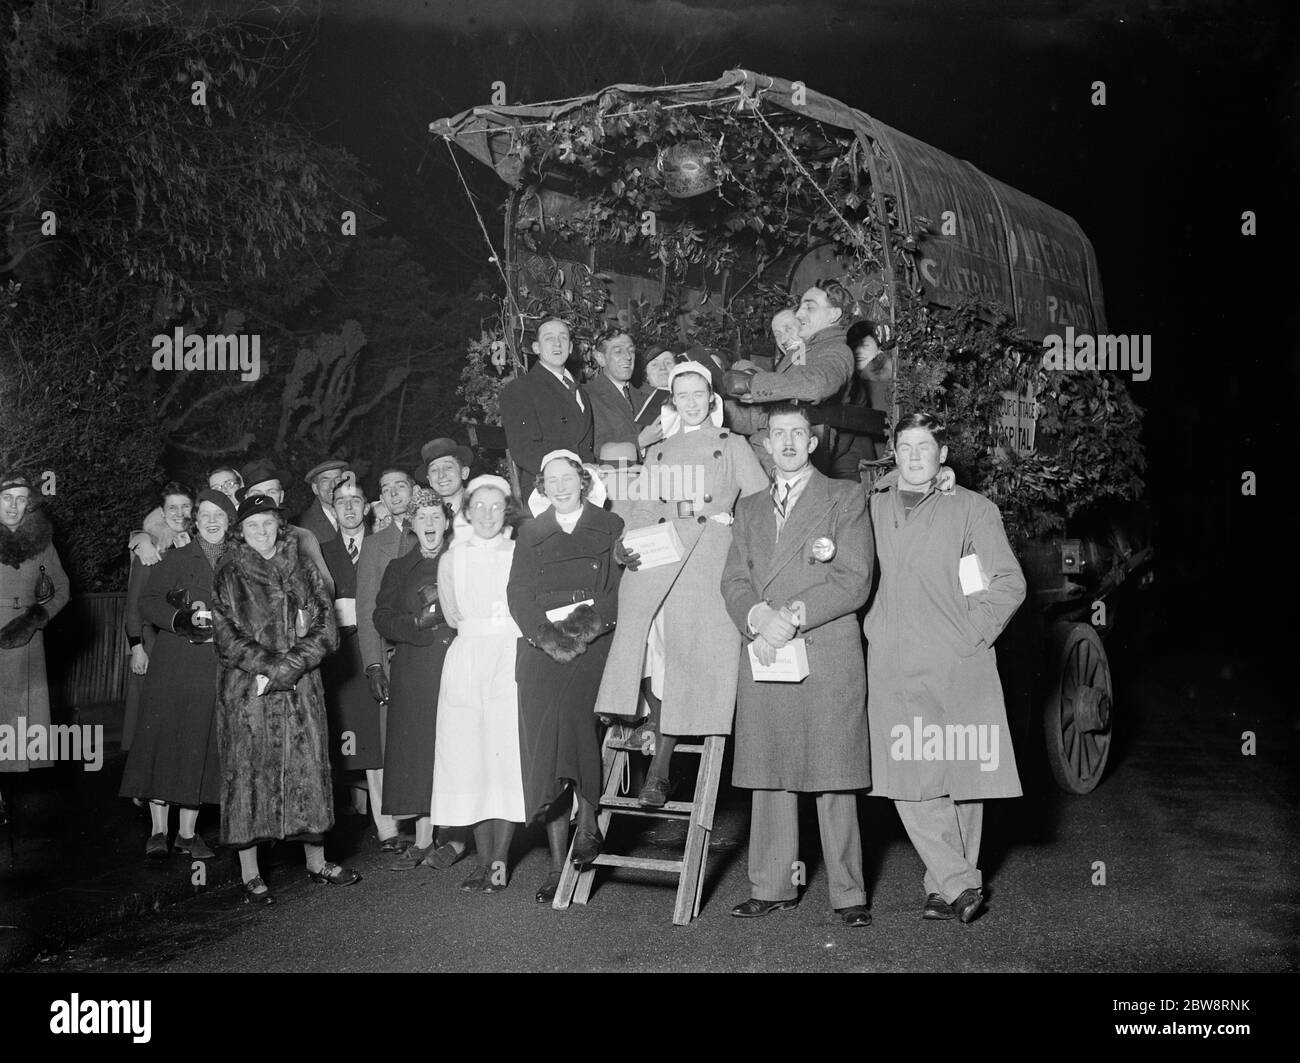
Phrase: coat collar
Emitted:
{"points": [[811, 507], [29, 540], [545, 524]]}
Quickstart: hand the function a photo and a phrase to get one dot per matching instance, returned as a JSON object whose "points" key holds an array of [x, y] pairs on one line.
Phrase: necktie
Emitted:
{"points": [[780, 499], [353, 552], [627, 394]]}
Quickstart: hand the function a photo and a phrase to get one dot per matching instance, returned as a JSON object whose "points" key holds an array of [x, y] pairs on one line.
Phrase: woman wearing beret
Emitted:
{"points": [[564, 597], [33, 588], [477, 779], [274, 623], [409, 613], [174, 758], [674, 632]]}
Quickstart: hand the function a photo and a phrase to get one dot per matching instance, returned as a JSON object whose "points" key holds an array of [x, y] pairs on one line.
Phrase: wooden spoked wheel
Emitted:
{"points": [[1077, 709]]}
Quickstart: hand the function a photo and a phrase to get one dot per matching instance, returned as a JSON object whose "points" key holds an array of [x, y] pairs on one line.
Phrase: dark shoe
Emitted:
{"points": [[855, 915], [476, 880], [969, 906], [394, 845], [586, 847], [441, 857], [195, 846], [411, 858], [754, 907], [546, 892], [496, 879], [156, 847], [255, 892], [335, 875], [937, 908], [654, 794]]}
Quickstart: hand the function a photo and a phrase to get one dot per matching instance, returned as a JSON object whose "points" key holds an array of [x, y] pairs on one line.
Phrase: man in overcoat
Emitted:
{"points": [[547, 409], [800, 563], [318, 518], [615, 400]]}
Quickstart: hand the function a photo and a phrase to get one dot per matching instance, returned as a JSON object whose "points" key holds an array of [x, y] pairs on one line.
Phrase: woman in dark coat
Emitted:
{"points": [[564, 558], [408, 613], [174, 759], [274, 624]]}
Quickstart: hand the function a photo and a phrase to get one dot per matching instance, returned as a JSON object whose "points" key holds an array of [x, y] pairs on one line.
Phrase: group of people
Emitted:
{"points": [[469, 646]]}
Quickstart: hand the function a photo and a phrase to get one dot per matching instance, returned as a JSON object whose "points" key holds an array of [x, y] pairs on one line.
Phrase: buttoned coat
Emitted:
{"points": [[377, 551], [710, 469], [539, 414], [313, 518], [809, 736], [615, 419], [354, 719], [23, 687], [930, 654]]}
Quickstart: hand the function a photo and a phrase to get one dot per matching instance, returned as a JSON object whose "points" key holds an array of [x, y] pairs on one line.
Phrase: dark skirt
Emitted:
{"points": [[173, 754], [135, 687], [415, 674], [353, 713], [559, 733]]}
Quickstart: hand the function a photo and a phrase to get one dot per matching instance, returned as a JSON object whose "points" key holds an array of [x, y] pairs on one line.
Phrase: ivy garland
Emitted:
{"points": [[954, 362]]}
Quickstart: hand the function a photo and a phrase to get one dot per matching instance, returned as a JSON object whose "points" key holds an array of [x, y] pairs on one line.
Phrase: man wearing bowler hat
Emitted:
{"points": [[261, 477], [800, 567], [547, 409], [447, 464], [319, 518]]}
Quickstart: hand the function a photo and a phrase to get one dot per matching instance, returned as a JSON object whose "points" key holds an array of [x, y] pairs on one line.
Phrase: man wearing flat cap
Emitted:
{"points": [[261, 477], [318, 518], [447, 464], [547, 409]]}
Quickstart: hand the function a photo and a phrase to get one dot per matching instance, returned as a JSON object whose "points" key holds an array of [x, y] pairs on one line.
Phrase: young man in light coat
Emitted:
{"points": [[800, 566]]}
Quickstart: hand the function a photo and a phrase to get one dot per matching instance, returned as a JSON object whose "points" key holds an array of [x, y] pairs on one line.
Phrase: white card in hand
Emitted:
{"points": [[561, 611], [972, 575], [345, 612], [262, 683]]}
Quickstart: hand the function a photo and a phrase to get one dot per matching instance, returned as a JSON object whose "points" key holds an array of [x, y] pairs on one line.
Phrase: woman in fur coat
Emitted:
{"points": [[274, 623], [33, 588]]}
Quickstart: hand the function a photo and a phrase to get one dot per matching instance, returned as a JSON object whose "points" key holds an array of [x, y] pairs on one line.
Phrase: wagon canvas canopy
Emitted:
{"points": [[974, 236]]}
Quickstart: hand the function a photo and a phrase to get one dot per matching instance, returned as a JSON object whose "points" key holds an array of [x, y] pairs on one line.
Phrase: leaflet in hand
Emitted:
{"points": [[561, 611], [972, 575]]}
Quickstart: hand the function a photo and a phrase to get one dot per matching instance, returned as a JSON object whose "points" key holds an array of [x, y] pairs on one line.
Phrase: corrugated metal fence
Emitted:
{"points": [[85, 652]]}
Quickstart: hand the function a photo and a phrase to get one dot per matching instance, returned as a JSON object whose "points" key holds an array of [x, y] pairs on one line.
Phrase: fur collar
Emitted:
{"points": [[30, 539]]}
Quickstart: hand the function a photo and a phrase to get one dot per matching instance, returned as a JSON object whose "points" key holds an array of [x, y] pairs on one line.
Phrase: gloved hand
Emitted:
{"points": [[557, 645], [178, 598], [19, 631], [736, 383], [629, 559], [775, 626], [378, 683], [429, 616], [184, 622]]}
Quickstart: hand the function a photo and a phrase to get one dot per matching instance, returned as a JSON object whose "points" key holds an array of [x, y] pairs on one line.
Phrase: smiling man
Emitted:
{"points": [[447, 464], [319, 518], [800, 567], [547, 409], [615, 402]]}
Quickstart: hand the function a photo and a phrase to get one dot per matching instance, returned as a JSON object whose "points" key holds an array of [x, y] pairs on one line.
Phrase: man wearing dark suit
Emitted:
{"points": [[615, 402], [800, 564], [547, 409], [318, 518], [377, 550]]}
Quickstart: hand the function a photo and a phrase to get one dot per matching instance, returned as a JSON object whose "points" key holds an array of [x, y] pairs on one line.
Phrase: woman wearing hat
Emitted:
{"points": [[673, 629], [174, 758], [409, 614], [476, 775], [274, 623], [33, 588], [564, 597]]}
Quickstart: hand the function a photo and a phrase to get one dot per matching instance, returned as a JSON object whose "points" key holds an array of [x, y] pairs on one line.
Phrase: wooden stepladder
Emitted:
{"points": [[575, 886]]}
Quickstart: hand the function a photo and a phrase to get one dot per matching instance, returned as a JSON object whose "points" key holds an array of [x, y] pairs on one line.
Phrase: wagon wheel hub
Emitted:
{"points": [[1092, 709]]}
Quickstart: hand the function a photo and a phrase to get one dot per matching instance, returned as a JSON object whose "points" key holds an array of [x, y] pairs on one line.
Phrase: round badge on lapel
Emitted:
{"points": [[823, 548]]}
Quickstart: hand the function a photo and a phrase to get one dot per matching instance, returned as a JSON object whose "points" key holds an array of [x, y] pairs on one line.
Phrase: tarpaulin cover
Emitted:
{"points": [[1006, 245]]}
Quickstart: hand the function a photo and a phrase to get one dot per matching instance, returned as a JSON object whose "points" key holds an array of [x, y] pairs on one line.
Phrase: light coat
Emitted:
{"points": [[930, 650]]}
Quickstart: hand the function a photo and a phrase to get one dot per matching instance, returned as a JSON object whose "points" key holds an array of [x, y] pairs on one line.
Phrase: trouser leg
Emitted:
{"points": [[837, 820], [773, 845], [385, 825], [946, 835]]}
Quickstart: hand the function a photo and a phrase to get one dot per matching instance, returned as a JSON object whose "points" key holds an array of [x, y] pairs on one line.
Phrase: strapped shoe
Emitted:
{"points": [[546, 892], [255, 892], [586, 847], [654, 794], [334, 875]]}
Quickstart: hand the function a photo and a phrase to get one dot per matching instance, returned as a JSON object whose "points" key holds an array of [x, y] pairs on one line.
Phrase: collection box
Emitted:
{"points": [[657, 544], [790, 666]]}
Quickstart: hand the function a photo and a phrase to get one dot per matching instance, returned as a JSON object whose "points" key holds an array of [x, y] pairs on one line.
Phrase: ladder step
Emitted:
{"points": [[645, 863], [631, 804]]}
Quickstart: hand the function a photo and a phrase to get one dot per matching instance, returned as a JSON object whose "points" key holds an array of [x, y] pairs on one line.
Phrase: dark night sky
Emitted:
{"points": [[1200, 124]]}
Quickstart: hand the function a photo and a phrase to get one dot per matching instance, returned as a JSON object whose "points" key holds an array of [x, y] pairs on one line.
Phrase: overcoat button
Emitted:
{"points": [[659, 456], [662, 520], [708, 498], [722, 435], [595, 564], [750, 564], [702, 519], [717, 453]]}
